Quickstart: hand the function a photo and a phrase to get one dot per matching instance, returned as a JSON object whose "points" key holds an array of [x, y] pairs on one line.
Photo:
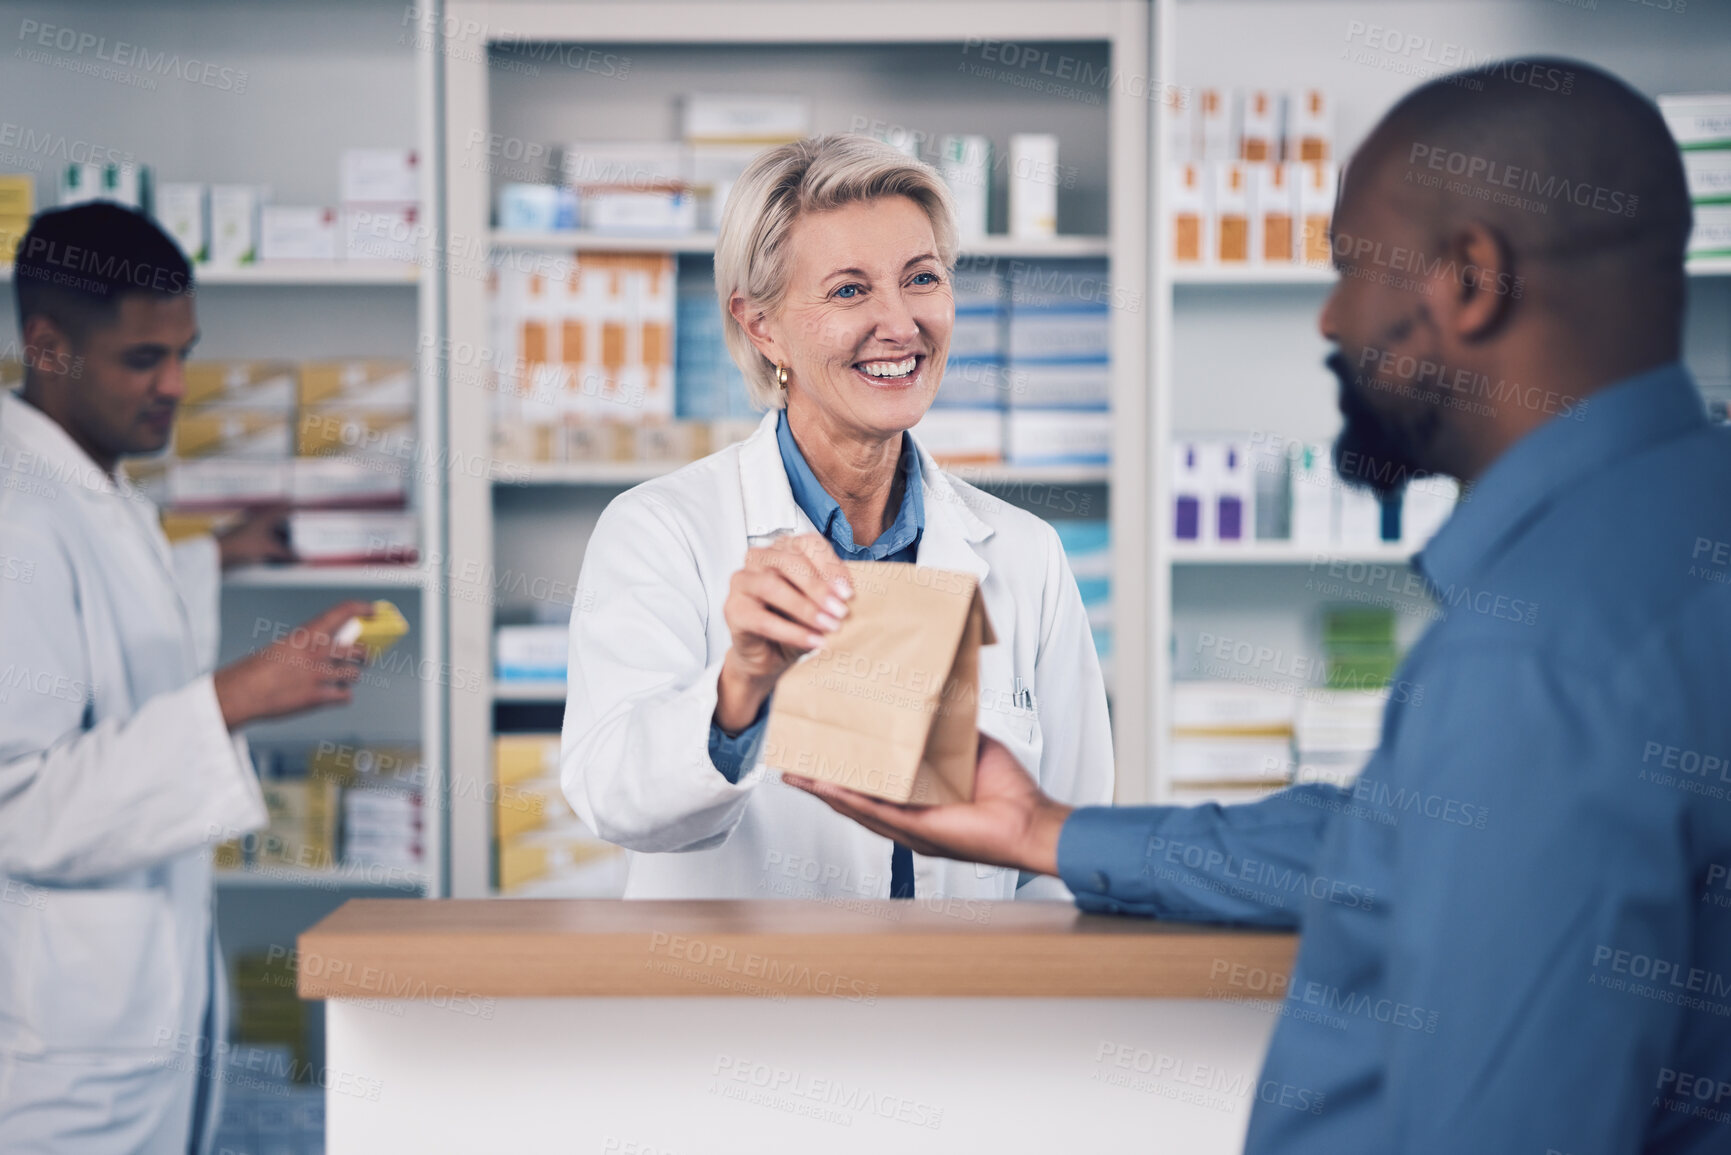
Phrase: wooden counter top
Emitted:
{"points": [[375, 948]]}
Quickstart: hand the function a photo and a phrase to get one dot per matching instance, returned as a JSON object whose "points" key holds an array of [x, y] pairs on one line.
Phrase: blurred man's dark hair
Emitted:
{"points": [[76, 264], [1550, 195], [1576, 168]]}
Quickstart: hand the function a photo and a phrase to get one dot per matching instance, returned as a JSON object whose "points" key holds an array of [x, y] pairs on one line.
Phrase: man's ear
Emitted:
{"points": [[756, 327], [48, 349], [1481, 288]]}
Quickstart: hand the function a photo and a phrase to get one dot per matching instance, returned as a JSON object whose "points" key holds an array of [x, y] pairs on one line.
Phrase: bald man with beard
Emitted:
{"points": [[1516, 922]]}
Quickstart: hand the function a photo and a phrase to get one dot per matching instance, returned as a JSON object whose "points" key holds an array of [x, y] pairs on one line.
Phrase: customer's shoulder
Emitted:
{"points": [[1615, 560]]}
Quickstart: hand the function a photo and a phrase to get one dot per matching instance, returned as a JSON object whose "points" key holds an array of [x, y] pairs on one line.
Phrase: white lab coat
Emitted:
{"points": [[116, 777], [647, 641]]}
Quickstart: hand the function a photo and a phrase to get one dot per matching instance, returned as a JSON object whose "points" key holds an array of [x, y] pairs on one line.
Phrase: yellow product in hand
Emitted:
{"points": [[378, 631]]}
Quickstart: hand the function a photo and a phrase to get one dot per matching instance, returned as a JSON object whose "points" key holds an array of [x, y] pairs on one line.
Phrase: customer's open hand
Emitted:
{"points": [[1009, 822]]}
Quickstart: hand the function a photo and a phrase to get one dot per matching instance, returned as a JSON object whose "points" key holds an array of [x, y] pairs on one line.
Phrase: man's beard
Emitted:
{"points": [[1371, 452]]}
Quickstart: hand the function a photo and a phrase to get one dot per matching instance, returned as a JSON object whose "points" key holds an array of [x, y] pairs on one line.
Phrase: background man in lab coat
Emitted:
{"points": [[119, 767]]}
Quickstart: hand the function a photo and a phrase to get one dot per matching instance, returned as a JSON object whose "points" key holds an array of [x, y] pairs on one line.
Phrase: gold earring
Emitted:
{"points": [[781, 376]]}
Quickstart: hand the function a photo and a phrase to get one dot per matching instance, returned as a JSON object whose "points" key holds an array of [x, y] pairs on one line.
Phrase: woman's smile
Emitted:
{"points": [[905, 373]]}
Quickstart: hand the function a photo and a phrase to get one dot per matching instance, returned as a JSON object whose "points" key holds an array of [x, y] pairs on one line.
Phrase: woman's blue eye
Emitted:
{"points": [[925, 278], [847, 291]]}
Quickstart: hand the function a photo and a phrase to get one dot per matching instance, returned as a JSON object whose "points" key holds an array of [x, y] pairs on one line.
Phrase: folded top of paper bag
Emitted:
{"points": [[889, 706]]}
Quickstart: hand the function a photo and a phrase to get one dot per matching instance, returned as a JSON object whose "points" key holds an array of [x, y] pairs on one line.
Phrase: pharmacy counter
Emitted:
{"points": [[676, 1027]]}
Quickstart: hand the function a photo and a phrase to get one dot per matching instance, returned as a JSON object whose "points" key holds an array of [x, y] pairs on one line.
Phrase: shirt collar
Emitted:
{"points": [[1616, 422], [826, 513]]}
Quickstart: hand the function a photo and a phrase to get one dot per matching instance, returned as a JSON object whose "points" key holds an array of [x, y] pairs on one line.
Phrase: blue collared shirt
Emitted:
{"points": [[1516, 923], [900, 542]]}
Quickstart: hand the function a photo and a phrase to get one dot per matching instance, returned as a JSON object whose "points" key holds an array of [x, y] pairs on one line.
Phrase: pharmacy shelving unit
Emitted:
{"points": [[1236, 349], [903, 61], [320, 75], [412, 699]]}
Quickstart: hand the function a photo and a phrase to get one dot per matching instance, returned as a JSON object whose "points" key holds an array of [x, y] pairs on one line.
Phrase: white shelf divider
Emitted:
{"points": [[603, 474], [528, 691], [1709, 267], [1295, 274], [1300, 274], [312, 274], [271, 877], [988, 246], [326, 577], [593, 473], [398, 274], [566, 241], [1286, 553]]}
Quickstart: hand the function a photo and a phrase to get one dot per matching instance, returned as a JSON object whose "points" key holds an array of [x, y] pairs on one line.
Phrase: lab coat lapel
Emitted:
{"points": [[40, 449], [952, 529], [769, 503], [133, 546]]}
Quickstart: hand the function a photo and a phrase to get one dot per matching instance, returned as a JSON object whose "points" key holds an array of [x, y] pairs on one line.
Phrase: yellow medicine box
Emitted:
{"points": [[519, 757], [378, 631], [17, 195]]}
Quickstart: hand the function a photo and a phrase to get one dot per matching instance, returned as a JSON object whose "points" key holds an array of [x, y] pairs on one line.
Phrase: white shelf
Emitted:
{"points": [[990, 246], [1285, 553], [269, 877], [1316, 275], [398, 273], [599, 473], [528, 691], [568, 241], [325, 577], [1252, 275], [307, 273], [1059, 246], [984, 475], [624, 473]]}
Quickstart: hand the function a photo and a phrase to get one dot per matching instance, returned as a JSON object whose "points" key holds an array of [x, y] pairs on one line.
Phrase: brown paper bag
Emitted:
{"points": [[889, 705]]}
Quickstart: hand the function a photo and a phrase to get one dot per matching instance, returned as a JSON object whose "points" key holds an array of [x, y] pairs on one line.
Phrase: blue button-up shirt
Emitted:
{"points": [[731, 754], [1516, 923]]}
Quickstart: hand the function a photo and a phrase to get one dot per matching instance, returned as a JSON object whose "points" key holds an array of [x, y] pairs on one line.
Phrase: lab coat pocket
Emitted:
{"points": [[1008, 710], [100, 972], [1003, 718]]}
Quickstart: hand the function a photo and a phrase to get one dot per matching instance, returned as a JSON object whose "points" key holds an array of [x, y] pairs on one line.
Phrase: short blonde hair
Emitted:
{"points": [[811, 175]]}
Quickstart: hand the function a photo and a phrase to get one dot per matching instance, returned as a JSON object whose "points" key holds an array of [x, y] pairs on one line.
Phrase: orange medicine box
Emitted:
{"points": [[1274, 193], [1188, 197], [1315, 208], [1232, 213]]}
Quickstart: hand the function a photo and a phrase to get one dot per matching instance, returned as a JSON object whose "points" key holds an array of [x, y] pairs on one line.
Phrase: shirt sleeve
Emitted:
{"points": [[1246, 864], [1507, 930], [732, 753]]}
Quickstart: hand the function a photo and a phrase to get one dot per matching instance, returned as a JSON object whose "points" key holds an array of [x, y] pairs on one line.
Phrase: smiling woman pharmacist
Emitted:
{"points": [[701, 587]]}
